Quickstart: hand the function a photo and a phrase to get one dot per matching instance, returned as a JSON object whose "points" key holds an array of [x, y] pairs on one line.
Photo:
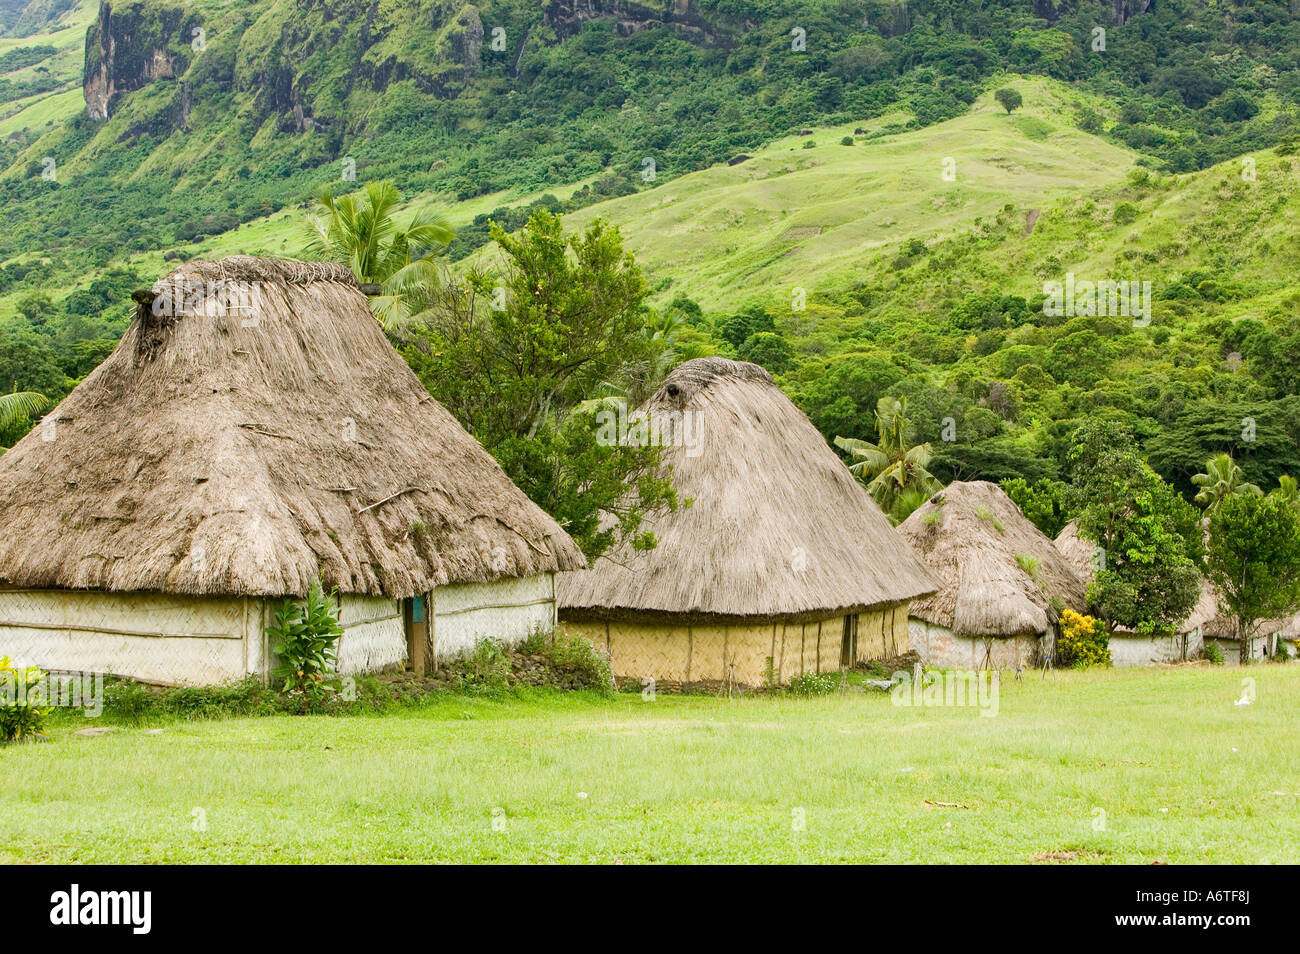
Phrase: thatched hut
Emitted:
{"points": [[779, 565], [254, 430], [1004, 584]]}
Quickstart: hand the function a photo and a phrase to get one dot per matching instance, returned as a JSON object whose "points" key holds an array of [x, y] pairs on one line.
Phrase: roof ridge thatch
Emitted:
{"points": [[776, 528], [250, 268], [245, 439], [970, 534]]}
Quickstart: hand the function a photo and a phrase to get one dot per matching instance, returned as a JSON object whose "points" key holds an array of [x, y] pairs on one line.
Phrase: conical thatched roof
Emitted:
{"points": [[970, 535], [245, 439], [776, 527]]}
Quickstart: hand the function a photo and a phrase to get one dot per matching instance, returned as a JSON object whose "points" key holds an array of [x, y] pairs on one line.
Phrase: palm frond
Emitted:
{"points": [[21, 404]]}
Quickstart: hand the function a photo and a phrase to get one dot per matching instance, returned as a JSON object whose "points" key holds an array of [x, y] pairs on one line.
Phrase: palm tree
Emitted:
{"points": [[364, 235], [21, 404], [895, 472], [1221, 479]]}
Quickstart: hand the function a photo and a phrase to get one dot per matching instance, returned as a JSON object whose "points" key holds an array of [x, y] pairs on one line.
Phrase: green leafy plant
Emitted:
{"points": [[1222, 478], [1030, 564], [893, 469], [985, 514], [578, 665], [815, 684], [305, 636], [484, 670], [20, 714], [1214, 654], [365, 236], [1253, 558]]}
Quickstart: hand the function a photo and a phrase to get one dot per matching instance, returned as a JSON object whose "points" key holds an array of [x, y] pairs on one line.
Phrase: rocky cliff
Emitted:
{"points": [[133, 45]]}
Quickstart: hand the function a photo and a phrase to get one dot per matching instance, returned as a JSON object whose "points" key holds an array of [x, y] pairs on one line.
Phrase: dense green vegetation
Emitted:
{"points": [[854, 274], [275, 97]]}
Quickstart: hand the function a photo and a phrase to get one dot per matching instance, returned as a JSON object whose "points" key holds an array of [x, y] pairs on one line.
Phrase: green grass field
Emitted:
{"points": [[1131, 766]]}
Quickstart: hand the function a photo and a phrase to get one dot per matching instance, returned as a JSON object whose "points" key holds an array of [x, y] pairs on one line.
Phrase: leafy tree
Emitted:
{"points": [[365, 236], [737, 329], [1148, 534], [1008, 98], [28, 363], [1261, 436], [520, 356], [769, 350], [841, 394], [1043, 502], [893, 469], [1222, 479], [1253, 559], [1288, 489]]}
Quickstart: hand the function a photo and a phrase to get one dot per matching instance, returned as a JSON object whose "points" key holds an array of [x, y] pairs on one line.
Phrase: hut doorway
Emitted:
{"points": [[415, 616], [849, 644]]}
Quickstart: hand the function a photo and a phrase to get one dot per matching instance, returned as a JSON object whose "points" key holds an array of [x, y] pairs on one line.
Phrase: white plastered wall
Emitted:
{"points": [[152, 637]]}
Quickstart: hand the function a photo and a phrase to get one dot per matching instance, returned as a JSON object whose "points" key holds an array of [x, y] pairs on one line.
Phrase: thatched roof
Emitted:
{"points": [[970, 534], [244, 441], [777, 528], [1205, 615]]}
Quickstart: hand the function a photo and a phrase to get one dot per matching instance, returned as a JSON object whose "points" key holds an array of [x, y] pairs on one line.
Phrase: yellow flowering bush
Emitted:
{"points": [[1083, 641]]}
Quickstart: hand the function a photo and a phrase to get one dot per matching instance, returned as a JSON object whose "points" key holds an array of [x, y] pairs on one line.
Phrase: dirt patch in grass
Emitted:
{"points": [[1063, 857]]}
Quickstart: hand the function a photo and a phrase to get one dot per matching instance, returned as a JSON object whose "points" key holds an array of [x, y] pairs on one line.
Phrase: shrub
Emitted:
{"points": [[578, 664], [1214, 654], [1125, 213], [484, 670], [304, 635], [1008, 98], [815, 683], [20, 715], [131, 701], [846, 141], [1083, 641]]}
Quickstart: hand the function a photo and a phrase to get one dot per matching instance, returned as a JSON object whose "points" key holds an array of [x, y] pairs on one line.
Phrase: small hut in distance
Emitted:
{"points": [[1128, 648], [781, 565], [253, 433], [1206, 623], [1004, 585]]}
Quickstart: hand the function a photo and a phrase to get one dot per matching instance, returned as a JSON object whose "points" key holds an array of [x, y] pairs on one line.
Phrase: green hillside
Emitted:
{"points": [[810, 211], [859, 215], [40, 70]]}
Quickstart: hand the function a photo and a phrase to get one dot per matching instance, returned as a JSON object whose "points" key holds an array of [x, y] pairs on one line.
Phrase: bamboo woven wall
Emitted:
{"points": [[669, 652]]}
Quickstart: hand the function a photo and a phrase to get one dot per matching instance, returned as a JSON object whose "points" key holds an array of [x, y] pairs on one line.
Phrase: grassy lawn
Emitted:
{"points": [[1180, 772]]}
